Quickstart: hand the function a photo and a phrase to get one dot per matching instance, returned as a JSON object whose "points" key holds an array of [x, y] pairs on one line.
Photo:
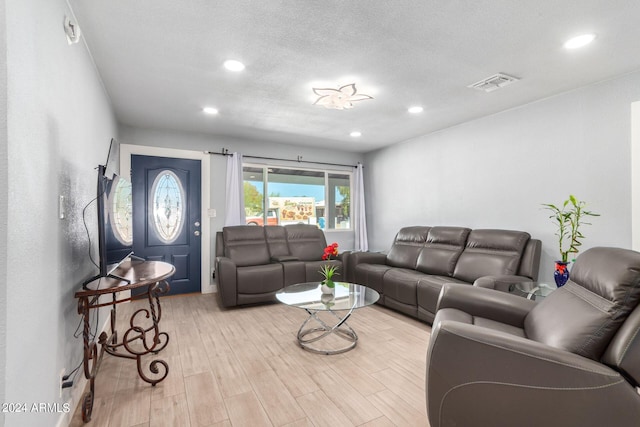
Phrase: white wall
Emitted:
{"points": [[4, 197], [635, 175], [59, 126], [496, 171], [194, 141]]}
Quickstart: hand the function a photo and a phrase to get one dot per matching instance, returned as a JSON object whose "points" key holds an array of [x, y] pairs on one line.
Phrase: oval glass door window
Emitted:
{"points": [[121, 219], [167, 206]]}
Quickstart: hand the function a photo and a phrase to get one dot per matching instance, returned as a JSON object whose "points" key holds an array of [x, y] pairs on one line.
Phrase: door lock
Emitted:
{"points": [[197, 224]]}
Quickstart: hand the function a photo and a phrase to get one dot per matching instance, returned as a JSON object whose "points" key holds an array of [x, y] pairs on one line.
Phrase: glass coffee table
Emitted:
{"points": [[532, 290], [338, 307]]}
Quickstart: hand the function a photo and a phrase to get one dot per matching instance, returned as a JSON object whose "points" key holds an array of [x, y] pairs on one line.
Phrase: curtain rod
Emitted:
{"points": [[225, 152]]}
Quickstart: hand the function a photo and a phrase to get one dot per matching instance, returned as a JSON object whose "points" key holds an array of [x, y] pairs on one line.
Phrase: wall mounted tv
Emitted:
{"points": [[115, 225]]}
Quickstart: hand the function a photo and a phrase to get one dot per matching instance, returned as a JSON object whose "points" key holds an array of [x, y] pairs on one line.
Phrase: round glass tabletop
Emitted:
{"points": [[533, 290], [309, 296]]}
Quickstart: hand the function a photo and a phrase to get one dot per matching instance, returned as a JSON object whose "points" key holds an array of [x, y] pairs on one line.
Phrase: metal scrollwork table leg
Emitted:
{"points": [[137, 341]]}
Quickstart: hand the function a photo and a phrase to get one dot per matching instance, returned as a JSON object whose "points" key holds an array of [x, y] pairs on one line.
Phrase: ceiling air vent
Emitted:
{"points": [[494, 82]]}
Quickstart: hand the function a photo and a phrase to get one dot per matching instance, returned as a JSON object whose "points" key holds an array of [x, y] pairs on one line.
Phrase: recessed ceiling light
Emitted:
{"points": [[233, 65], [210, 110], [579, 41], [355, 134], [416, 109]]}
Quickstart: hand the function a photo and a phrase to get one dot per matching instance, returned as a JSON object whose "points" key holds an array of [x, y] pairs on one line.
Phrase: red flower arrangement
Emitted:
{"points": [[329, 251]]}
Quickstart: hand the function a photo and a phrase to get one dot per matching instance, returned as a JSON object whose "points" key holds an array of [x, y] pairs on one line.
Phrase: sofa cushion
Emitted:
{"points": [[491, 253], [442, 250], [306, 241], [259, 279], [428, 291], [583, 315], [371, 275], [400, 284], [406, 247], [245, 245]]}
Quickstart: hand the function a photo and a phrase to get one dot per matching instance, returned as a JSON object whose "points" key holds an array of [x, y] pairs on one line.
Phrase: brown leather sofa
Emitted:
{"points": [[422, 259], [573, 359], [254, 262]]}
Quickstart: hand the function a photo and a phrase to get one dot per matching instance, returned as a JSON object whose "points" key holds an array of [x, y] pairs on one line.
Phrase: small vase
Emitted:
{"points": [[326, 289], [561, 273]]}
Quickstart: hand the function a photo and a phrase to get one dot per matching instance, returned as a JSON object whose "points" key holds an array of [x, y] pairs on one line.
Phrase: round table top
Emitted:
{"points": [[139, 273], [309, 296], [535, 289]]}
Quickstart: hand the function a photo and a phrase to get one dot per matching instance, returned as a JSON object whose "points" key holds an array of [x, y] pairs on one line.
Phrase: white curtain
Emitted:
{"points": [[234, 212], [359, 219]]}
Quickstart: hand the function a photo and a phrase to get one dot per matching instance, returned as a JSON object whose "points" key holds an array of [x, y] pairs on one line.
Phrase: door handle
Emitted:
{"points": [[196, 233]]}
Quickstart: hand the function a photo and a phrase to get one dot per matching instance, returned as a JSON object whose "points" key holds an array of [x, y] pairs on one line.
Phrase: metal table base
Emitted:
{"points": [[340, 329]]}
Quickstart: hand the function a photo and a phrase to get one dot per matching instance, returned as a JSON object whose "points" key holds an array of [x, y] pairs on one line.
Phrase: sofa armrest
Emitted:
{"points": [[227, 281], [480, 376], [500, 283], [356, 258], [487, 303], [368, 258]]}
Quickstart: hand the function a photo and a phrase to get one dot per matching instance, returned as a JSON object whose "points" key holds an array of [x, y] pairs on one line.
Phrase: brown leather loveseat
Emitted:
{"points": [[422, 259], [254, 262]]}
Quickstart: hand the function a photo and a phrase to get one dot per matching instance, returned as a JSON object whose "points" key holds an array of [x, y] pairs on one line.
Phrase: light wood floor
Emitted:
{"points": [[243, 367]]}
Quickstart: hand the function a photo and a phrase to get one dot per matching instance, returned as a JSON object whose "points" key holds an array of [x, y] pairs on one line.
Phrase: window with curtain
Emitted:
{"points": [[275, 195]]}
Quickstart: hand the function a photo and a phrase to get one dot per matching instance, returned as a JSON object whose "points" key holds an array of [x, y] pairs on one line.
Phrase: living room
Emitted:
{"points": [[486, 171]]}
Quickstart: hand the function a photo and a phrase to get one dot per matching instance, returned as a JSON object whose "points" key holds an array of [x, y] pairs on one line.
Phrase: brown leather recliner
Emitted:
{"points": [[572, 359], [246, 274]]}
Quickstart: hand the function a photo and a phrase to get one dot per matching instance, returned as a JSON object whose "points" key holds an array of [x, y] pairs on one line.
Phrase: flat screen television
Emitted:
{"points": [[115, 236]]}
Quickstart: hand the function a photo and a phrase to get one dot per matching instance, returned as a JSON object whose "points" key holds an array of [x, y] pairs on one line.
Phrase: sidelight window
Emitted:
{"points": [[120, 212]]}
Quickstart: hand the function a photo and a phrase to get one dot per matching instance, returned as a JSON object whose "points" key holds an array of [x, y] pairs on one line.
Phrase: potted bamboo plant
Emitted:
{"points": [[568, 219]]}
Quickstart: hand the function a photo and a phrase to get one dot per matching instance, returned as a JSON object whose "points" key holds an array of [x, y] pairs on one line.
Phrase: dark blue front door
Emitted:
{"points": [[166, 216]]}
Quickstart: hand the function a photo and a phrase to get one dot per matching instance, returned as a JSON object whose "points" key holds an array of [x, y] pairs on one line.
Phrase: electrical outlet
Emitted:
{"points": [[60, 380]]}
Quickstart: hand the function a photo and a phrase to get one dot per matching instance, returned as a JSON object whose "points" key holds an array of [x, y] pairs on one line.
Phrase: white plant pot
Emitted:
{"points": [[327, 290]]}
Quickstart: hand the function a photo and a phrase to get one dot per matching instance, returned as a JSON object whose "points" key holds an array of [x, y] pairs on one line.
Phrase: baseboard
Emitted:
{"points": [[211, 289], [76, 392]]}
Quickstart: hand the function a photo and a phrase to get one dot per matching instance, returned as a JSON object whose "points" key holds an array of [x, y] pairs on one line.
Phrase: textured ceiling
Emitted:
{"points": [[161, 61]]}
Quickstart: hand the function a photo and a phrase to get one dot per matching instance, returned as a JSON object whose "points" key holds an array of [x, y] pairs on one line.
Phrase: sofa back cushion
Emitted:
{"points": [[306, 241], [276, 237], [491, 253], [583, 315], [245, 245], [442, 250], [407, 246], [530, 262]]}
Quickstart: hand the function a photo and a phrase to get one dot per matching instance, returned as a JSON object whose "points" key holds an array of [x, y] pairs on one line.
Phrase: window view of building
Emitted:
{"points": [[297, 196]]}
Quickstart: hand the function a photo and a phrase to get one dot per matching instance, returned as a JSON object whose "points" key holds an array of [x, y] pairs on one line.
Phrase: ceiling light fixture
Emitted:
{"points": [[233, 65], [339, 99], [210, 110], [415, 110], [355, 134], [579, 41]]}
